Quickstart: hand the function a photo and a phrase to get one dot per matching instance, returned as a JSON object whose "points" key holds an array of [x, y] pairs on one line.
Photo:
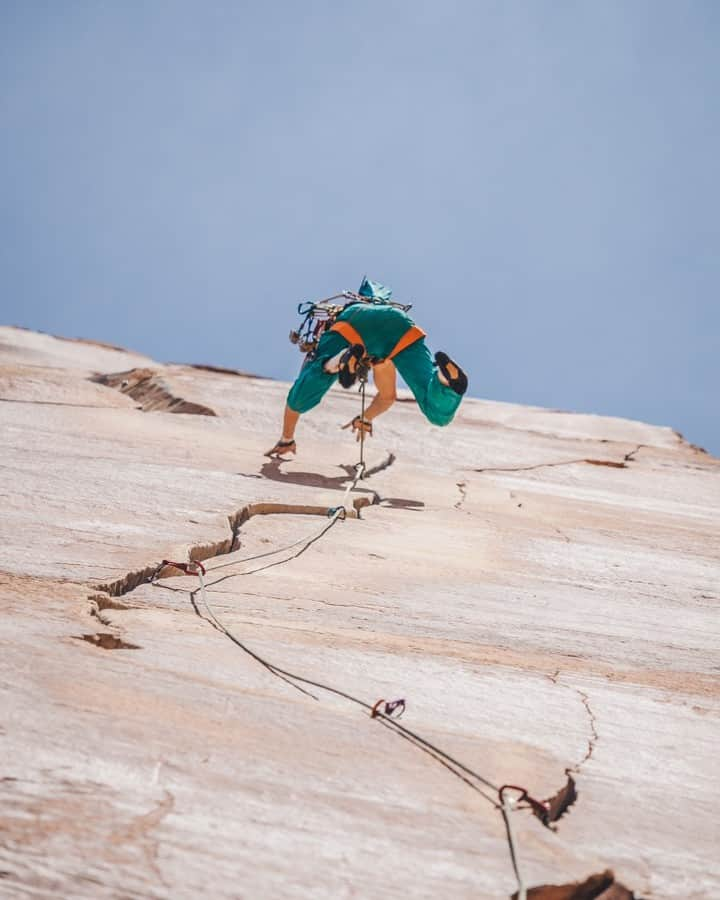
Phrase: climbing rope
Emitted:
{"points": [[363, 382], [507, 806], [384, 712], [392, 709], [387, 713]]}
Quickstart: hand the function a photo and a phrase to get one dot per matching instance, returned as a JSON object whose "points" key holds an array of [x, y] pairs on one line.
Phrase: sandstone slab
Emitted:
{"points": [[541, 588]]}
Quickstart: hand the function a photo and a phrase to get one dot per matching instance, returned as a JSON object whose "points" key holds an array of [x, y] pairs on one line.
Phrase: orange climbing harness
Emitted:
{"points": [[353, 336]]}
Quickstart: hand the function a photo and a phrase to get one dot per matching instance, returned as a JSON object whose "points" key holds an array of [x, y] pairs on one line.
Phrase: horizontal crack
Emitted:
{"points": [[225, 370], [202, 552], [602, 886], [104, 602], [100, 602], [611, 463], [148, 388], [107, 641]]}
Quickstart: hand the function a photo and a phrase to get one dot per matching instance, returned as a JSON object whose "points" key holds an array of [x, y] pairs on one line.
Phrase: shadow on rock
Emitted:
{"points": [[400, 503], [272, 470]]}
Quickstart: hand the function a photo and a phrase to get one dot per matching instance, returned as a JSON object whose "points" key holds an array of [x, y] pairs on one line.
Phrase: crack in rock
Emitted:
{"points": [[602, 886], [568, 794], [106, 641], [685, 442], [610, 463], [202, 552], [103, 620], [560, 802], [100, 602], [630, 457], [593, 739], [594, 736], [462, 488], [224, 370], [373, 470], [148, 388]]}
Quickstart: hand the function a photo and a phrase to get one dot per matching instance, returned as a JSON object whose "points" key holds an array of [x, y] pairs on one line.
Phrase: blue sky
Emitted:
{"points": [[539, 178]]}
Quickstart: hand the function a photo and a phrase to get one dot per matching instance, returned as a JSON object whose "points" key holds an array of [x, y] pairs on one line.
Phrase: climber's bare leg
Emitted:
{"points": [[286, 444], [290, 420]]}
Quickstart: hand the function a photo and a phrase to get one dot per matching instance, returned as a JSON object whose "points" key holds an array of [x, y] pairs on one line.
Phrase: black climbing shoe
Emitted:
{"points": [[349, 363], [457, 379]]}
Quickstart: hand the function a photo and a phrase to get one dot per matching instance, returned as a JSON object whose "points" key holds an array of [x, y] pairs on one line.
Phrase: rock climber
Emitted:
{"points": [[383, 336]]}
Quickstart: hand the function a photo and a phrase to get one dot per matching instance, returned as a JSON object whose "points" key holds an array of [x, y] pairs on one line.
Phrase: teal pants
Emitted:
{"points": [[415, 364]]}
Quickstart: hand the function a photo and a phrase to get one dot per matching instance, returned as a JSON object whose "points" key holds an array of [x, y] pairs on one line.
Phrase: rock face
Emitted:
{"points": [[541, 588]]}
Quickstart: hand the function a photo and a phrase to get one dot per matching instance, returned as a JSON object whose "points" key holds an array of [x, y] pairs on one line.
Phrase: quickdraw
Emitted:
{"points": [[540, 808], [393, 709]]}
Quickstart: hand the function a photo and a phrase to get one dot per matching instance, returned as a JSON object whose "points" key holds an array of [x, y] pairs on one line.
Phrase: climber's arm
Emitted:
{"points": [[385, 377]]}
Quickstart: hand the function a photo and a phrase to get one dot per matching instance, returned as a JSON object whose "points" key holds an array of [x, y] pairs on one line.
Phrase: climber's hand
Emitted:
{"points": [[360, 427]]}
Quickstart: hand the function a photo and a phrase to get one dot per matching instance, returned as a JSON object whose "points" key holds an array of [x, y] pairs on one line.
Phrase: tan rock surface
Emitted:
{"points": [[541, 587]]}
